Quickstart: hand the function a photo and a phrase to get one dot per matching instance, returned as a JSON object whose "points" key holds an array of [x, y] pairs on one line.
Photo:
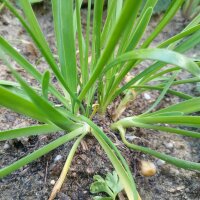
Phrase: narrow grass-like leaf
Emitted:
{"points": [[28, 131], [20, 105], [45, 84], [186, 107], [167, 129], [162, 94], [193, 121], [162, 55], [128, 10], [35, 27], [96, 33], [64, 29], [50, 112], [66, 167], [128, 29], [160, 88], [189, 43], [8, 49], [47, 56], [141, 27], [84, 71], [42, 151], [169, 14], [179, 36], [172, 160]]}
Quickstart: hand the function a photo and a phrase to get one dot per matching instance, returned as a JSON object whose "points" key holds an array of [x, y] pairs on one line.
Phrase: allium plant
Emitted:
{"points": [[115, 49]]}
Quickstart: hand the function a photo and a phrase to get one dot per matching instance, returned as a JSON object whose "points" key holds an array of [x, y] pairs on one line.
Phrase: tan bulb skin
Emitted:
{"points": [[147, 168]]}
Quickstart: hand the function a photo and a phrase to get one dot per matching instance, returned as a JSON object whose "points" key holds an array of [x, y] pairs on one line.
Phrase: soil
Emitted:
{"points": [[34, 181]]}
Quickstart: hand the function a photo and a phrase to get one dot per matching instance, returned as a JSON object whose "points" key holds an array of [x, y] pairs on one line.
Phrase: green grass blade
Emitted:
{"points": [[42, 151], [179, 36], [46, 108], [186, 107], [193, 121], [128, 29], [8, 49], [20, 105], [169, 14], [162, 94], [84, 71], [117, 31], [87, 43], [96, 33], [48, 58], [28, 131], [162, 55], [163, 128], [45, 84], [64, 29], [170, 159], [158, 75], [160, 88], [108, 25], [189, 43], [34, 26], [140, 29]]}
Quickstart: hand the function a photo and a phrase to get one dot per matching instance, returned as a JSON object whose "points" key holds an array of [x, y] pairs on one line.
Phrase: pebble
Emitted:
{"points": [[182, 187], [6, 146], [147, 96], [131, 137], [53, 182], [169, 145], [160, 162], [57, 158]]}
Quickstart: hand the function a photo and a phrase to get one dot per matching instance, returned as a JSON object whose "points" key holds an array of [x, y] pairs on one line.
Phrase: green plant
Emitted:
{"points": [[110, 185], [115, 51], [191, 8], [161, 6], [35, 1]]}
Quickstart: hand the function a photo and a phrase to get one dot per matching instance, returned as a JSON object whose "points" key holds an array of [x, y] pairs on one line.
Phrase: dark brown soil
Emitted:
{"points": [[34, 181]]}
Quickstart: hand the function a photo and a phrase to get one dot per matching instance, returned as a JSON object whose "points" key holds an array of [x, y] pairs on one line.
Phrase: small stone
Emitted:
{"points": [[53, 182], [89, 170], [182, 187], [169, 145], [131, 137], [147, 96], [160, 162], [57, 158], [6, 146]]}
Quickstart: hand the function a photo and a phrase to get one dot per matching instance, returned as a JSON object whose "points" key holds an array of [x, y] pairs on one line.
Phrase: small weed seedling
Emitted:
{"points": [[115, 48], [110, 185]]}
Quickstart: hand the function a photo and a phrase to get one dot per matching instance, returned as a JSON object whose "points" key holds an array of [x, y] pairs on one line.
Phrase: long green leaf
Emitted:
{"points": [[20, 105], [37, 41], [193, 121], [128, 10], [162, 55], [186, 107], [28, 131], [64, 29], [46, 108], [170, 159], [169, 14], [42, 151]]}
